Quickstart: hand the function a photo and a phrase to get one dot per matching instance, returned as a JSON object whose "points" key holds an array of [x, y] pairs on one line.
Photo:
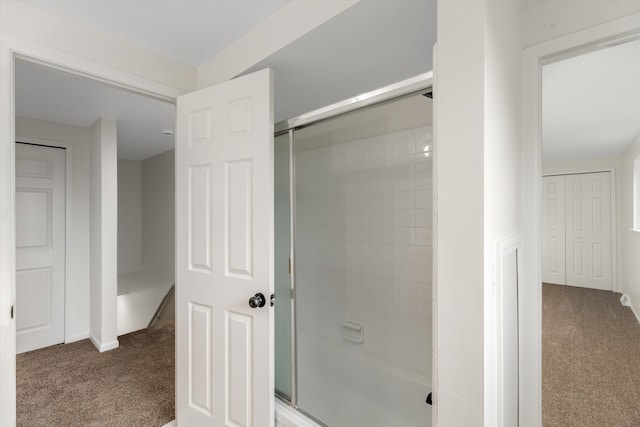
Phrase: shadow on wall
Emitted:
{"points": [[146, 240]]}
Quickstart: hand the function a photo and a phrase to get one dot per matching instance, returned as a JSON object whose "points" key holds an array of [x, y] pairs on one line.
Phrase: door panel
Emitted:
{"points": [[200, 351], [588, 230], [553, 230], [224, 254], [40, 246]]}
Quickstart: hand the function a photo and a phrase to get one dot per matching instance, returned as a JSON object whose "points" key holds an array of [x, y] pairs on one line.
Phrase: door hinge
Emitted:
{"points": [[12, 312], [289, 265]]}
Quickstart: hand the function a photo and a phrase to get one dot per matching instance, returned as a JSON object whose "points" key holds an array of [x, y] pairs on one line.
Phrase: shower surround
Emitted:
{"points": [[363, 263]]}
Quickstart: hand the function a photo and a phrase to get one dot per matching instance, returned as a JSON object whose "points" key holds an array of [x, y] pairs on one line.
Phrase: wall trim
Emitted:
{"points": [[494, 330], [102, 347], [77, 337], [84, 68], [626, 301], [635, 313]]}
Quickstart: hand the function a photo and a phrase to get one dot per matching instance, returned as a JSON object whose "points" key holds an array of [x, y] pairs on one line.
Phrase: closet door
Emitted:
{"points": [[553, 230], [588, 230]]}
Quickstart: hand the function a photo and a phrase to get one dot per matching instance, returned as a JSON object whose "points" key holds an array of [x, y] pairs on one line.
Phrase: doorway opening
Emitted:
{"points": [[588, 154], [59, 109]]}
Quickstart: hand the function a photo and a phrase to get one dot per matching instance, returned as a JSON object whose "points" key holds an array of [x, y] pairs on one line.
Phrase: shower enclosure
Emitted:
{"points": [[354, 263]]}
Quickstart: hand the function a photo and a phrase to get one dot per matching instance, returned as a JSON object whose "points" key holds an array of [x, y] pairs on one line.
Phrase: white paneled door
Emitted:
{"points": [[577, 230], [40, 246], [553, 230], [588, 230], [224, 254]]}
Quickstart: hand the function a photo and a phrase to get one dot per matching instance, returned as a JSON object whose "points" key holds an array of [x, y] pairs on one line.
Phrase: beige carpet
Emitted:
{"points": [[75, 385], [590, 359]]}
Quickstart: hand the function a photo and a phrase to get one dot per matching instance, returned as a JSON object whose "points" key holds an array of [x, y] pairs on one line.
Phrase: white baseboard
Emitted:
{"points": [[77, 337], [102, 347], [173, 423], [625, 300], [635, 313]]}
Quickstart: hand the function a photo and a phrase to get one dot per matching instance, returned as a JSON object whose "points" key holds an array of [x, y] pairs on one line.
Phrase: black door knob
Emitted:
{"points": [[258, 300]]}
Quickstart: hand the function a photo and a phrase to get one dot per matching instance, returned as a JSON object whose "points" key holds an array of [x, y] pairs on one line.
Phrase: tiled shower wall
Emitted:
{"points": [[363, 273]]}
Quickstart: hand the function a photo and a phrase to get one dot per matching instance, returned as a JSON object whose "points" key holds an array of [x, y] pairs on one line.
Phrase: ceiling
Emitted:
{"points": [[189, 31], [48, 94], [372, 44], [591, 104]]}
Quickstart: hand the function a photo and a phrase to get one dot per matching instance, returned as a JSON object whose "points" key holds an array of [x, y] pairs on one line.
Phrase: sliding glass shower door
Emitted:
{"points": [[284, 337], [363, 227]]}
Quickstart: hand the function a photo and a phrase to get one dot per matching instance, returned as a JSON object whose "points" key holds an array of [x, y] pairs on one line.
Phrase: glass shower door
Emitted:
{"points": [[363, 266], [282, 254]]}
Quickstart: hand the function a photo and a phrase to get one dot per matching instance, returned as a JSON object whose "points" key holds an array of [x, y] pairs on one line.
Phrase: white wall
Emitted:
{"points": [[77, 274], [104, 230], [478, 201], [459, 295], [596, 165], [630, 279], [141, 291], [158, 214], [129, 216], [33, 25], [502, 193], [287, 24]]}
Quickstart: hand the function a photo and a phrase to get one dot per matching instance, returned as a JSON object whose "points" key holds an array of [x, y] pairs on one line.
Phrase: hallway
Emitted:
{"points": [[73, 385]]}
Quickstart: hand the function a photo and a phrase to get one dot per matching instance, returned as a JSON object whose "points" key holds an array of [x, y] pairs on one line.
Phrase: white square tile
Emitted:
{"points": [[424, 255], [423, 274], [423, 199], [403, 181], [424, 218], [423, 180], [424, 292], [356, 233], [406, 289]]}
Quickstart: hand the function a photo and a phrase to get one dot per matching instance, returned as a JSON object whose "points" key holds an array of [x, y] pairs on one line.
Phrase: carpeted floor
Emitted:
{"points": [[74, 385], [590, 359], [590, 371]]}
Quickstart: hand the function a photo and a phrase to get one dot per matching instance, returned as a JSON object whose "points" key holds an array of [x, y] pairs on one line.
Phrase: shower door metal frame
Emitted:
{"points": [[409, 87]]}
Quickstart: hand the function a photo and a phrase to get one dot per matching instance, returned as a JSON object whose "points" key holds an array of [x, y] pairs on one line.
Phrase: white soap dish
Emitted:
{"points": [[353, 331]]}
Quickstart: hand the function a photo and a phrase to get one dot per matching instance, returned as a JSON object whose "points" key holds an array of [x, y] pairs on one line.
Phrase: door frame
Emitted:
{"points": [[615, 286], [597, 37], [10, 50], [68, 156]]}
